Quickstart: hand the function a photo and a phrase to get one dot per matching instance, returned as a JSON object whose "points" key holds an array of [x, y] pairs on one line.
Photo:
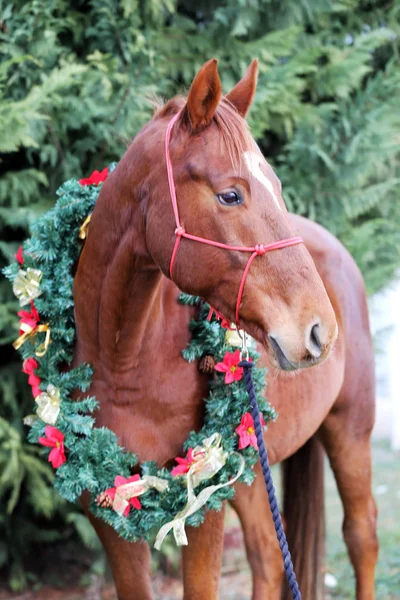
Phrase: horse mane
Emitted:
{"points": [[234, 131]]}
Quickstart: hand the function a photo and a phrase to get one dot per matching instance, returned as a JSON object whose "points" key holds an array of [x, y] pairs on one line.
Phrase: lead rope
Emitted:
{"points": [[269, 484]]}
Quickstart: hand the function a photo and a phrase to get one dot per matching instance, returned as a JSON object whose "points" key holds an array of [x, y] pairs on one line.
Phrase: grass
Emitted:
{"points": [[386, 487]]}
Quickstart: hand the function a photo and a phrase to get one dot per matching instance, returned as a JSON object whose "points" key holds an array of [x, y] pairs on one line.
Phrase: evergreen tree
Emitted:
{"points": [[75, 79]]}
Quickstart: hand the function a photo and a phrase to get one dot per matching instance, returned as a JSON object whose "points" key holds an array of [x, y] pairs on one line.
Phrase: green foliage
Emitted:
{"points": [[348, 174], [26, 495], [75, 78]]}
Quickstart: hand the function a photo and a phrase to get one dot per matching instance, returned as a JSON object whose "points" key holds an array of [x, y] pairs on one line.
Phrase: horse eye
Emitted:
{"points": [[229, 198]]}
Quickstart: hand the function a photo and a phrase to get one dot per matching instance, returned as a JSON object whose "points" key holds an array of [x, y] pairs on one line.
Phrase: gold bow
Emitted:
{"points": [[210, 459], [26, 285], [49, 404], [28, 332], [126, 491], [84, 228]]}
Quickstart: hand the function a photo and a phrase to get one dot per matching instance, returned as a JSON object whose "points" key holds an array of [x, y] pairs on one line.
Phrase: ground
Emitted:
{"points": [[236, 582]]}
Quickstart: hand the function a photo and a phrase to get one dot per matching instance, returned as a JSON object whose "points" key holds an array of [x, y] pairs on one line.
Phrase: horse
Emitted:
{"points": [[304, 305]]}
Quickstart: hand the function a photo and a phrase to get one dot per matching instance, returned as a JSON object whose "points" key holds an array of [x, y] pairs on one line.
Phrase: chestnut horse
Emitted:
{"points": [[298, 302]]}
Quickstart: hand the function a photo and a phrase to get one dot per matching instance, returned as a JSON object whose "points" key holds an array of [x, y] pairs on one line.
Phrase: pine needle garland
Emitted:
{"points": [[93, 455]]}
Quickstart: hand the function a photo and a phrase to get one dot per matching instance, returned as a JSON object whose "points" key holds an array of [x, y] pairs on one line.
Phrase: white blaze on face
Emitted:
{"points": [[253, 162]]}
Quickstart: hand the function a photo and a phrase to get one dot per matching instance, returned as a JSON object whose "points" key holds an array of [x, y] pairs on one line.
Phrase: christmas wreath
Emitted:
{"points": [[86, 457]]}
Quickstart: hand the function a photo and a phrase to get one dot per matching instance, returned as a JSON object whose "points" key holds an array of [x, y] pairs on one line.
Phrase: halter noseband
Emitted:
{"points": [[257, 250]]}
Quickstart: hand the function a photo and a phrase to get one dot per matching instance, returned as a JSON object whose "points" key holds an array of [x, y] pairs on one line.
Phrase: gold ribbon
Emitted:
{"points": [[28, 332], [49, 404], [84, 228], [211, 458], [126, 491], [26, 285]]}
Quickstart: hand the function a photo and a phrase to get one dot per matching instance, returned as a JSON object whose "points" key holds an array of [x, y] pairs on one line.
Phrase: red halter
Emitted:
{"points": [[257, 250]]}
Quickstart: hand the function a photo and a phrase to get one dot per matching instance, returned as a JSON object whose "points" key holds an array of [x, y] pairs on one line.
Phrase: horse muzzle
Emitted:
{"points": [[290, 354]]}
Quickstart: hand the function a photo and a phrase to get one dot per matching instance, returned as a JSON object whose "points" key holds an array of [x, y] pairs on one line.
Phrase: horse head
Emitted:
{"points": [[227, 192]]}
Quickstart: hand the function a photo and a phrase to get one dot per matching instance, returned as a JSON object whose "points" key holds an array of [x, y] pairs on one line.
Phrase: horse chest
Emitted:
{"points": [[153, 415]]}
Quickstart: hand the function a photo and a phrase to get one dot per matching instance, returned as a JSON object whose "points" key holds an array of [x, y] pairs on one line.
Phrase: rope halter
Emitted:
{"points": [[180, 232]]}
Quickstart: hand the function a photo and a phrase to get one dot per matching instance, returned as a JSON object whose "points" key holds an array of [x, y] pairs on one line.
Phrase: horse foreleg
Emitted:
{"points": [[263, 553], [349, 453], [202, 558], [130, 562]]}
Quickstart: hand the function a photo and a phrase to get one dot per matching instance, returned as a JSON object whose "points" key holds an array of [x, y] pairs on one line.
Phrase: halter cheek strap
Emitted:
{"points": [[257, 250]]}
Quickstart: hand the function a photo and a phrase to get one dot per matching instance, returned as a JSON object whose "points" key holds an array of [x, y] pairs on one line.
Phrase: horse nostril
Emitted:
{"points": [[315, 346], [315, 335], [284, 363]]}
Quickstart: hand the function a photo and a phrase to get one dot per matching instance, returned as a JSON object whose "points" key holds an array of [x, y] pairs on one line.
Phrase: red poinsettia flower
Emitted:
{"points": [[30, 318], [119, 480], [230, 367], [19, 256], [184, 464], [28, 366], [54, 439], [246, 431], [96, 178]]}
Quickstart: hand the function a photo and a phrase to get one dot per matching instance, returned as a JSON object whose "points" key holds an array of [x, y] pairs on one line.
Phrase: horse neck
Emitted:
{"points": [[122, 301]]}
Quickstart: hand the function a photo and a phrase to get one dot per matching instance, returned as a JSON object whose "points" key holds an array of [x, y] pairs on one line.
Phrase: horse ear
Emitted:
{"points": [[204, 95], [243, 93]]}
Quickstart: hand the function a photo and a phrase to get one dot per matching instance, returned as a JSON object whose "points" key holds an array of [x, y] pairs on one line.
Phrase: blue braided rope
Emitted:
{"points": [[273, 504]]}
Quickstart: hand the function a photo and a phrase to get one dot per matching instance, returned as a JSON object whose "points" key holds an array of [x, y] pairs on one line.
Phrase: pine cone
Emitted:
{"points": [[207, 364], [104, 500]]}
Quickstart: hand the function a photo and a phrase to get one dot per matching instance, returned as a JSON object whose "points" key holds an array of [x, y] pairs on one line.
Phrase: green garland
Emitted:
{"points": [[94, 457]]}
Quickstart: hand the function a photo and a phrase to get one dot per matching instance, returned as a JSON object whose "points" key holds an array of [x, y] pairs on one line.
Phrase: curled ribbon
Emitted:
{"points": [[28, 332], [84, 228], [124, 492], [49, 404], [211, 458], [26, 285]]}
